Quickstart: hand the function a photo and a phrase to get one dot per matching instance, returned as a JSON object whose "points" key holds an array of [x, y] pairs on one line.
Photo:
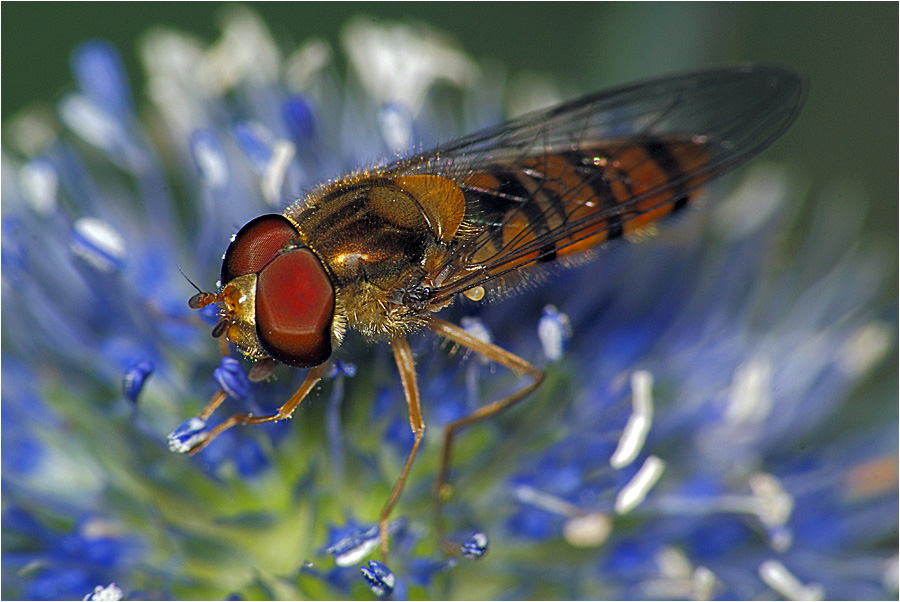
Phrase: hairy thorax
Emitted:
{"points": [[380, 242]]}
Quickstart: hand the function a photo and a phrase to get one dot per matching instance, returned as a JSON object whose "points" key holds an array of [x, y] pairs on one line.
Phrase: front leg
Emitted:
{"points": [[285, 411]]}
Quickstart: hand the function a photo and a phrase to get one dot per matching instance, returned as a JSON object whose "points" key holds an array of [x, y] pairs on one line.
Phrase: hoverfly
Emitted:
{"points": [[384, 250]]}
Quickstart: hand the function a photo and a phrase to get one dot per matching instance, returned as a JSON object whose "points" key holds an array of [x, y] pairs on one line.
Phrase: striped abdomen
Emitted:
{"points": [[551, 206]]}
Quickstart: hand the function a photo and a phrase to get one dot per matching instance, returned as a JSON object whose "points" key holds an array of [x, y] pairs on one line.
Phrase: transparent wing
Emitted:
{"points": [[732, 114], [741, 110]]}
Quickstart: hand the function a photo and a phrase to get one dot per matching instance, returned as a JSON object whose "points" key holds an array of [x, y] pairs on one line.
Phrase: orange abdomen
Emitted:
{"points": [[547, 207]]}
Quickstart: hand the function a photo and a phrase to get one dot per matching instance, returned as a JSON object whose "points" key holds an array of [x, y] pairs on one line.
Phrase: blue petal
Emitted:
{"points": [[135, 377], [475, 547], [300, 117], [252, 142], [231, 377], [209, 159], [188, 434], [337, 367], [98, 244], [353, 544], [100, 74], [379, 578]]}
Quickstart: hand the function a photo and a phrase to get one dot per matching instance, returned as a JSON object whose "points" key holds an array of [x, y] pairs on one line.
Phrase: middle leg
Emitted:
{"points": [[407, 367]]}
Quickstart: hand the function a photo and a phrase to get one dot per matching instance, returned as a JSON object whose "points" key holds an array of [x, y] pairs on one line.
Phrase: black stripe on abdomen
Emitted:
{"points": [[659, 154], [511, 186], [595, 177]]}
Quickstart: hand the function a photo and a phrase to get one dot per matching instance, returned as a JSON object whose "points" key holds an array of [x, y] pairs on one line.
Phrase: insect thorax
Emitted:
{"points": [[376, 242]]}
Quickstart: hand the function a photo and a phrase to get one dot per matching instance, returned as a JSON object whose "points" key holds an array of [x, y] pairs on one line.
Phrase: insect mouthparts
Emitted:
{"points": [[220, 328]]}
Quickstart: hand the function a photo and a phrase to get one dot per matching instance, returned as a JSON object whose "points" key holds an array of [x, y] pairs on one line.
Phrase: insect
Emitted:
{"points": [[383, 251]]}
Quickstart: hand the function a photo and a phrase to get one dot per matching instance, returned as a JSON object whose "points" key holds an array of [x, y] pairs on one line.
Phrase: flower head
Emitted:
{"points": [[690, 439]]}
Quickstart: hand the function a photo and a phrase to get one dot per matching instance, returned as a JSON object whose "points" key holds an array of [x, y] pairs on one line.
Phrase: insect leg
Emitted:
{"points": [[283, 412], [406, 366], [214, 403], [501, 356], [219, 395]]}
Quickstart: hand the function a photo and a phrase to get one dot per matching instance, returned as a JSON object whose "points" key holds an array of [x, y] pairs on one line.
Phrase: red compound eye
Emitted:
{"points": [[294, 309], [255, 245]]}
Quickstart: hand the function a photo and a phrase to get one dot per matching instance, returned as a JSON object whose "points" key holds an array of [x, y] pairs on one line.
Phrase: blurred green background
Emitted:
{"points": [[847, 134]]}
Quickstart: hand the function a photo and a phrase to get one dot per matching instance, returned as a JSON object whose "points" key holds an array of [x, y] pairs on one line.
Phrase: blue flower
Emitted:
{"points": [[692, 438], [380, 578], [732, 403]]}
